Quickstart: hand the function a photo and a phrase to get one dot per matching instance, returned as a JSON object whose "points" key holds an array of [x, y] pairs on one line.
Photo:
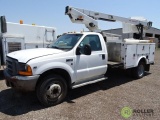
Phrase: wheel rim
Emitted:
{"points": [[140, 70], [53, 91]]}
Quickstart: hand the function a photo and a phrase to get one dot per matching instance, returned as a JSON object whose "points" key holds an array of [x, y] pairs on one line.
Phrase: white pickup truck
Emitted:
{"points": [[74, 60]]}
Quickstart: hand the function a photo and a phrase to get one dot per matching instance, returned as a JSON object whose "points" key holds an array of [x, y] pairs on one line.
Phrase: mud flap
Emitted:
{"points": [[147, 67]]}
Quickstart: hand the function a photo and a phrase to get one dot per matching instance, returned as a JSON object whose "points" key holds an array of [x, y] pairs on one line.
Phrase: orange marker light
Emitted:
{"points": [[28, 72], [21, 21], [80, 18]]}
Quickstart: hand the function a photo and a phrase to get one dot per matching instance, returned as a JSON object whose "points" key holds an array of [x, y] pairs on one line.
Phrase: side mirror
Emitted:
{"points": [[78, 51], [87, 49]]}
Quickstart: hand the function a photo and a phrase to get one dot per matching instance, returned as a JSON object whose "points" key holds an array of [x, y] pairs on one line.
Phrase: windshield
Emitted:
{"points": [[66, 41]]}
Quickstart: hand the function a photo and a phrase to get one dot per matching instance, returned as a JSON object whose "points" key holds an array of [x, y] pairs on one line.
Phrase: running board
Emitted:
{"points": [[89, 82]]}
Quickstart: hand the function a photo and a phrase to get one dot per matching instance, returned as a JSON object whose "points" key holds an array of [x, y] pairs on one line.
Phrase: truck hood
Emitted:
{"points": [[25, 55]]}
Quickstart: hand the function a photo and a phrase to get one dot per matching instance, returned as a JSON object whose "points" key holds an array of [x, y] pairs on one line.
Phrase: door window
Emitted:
{"points": [[93, 41]]}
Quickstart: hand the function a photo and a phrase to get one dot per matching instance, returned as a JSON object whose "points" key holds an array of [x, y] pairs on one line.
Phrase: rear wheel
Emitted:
{"points": [[139, 71], [52, 90]]}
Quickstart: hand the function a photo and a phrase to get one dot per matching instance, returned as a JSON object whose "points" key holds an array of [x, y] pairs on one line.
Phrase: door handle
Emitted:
{"points": [[103, 56]]}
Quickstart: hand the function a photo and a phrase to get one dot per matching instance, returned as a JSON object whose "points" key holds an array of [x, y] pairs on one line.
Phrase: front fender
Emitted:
{"points": [[53, 65]]}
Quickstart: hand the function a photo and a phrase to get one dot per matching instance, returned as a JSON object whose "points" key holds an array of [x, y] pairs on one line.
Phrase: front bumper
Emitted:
{"points": [[25, 83]]}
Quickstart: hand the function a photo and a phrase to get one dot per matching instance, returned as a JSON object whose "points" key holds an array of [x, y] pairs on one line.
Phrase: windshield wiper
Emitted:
{"points": [[65, 49], [55, 47]]}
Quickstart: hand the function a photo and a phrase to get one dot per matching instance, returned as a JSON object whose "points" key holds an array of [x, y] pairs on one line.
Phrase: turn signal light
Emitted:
{"points": [[28, 71]]}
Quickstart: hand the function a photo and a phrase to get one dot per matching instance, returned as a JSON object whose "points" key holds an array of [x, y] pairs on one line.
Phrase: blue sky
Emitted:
{"points": [[51, 12]]}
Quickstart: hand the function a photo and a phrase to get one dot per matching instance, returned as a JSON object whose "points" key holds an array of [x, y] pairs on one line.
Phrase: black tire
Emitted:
{"points": [[51, 90], [139, 71]]}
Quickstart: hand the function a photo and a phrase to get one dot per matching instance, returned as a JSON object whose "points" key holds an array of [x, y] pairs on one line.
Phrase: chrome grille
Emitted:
{"points": [[11, 66]]}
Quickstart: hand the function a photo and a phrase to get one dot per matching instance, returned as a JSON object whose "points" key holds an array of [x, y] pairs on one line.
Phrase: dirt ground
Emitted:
{"points": [[99, 101]]}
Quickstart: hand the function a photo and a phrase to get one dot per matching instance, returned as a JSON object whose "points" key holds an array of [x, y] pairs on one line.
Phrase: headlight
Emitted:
{"points": [[24, 69]]}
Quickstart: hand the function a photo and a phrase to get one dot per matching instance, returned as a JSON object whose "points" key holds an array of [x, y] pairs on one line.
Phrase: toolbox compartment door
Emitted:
{"points": [[151, 53], [142, 49], [130, 55]]}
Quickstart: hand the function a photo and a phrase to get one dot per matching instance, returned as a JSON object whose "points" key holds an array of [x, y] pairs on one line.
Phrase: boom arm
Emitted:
{"points": [[89, 18], [78, 16]]}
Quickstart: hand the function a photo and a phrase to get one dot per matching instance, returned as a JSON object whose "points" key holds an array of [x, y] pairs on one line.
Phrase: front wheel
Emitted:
{"points": [[51, 90], [139, 71]]}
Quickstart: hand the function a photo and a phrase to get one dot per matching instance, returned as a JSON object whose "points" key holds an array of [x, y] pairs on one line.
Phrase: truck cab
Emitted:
{"points": [[76, 59]]}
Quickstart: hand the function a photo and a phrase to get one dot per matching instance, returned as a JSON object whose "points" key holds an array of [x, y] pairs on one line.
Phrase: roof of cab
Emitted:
{"points": [[85, 33]]}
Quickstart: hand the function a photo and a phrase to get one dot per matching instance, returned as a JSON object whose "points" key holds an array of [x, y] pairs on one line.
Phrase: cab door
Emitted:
{"points": [[94, 65]]}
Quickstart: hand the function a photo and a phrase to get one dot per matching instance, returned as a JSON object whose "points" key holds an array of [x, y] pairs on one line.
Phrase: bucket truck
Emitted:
{"points": [[78, 59]]}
